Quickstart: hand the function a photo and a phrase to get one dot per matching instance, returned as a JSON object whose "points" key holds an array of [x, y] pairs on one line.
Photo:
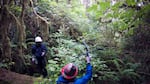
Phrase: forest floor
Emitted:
{"points": [[8, 77]]}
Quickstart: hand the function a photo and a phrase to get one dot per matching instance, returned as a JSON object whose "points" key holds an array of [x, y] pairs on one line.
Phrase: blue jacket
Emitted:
{"points": [[83, 80], [37, 51]]}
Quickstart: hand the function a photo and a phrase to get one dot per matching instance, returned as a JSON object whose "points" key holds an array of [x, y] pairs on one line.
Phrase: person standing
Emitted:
{"points": [[39, 51]]}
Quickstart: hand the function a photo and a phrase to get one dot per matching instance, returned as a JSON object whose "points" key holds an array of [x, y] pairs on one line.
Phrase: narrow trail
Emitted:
{"points": [[8, 77]]}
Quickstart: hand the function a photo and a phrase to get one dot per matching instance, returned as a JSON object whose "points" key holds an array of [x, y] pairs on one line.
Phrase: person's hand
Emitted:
{"points": [[43, 53], [87, 54], [88, 59], [33, 59]]}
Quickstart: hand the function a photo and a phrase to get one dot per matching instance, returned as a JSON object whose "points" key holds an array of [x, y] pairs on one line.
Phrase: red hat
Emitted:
{"points": [[69, 71]]}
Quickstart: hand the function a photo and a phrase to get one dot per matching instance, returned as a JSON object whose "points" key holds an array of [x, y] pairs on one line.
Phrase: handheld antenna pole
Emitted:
{"points": [[87, 48]]}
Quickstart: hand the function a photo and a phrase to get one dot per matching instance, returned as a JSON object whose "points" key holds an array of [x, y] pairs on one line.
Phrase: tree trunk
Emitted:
{"points": [[4, 25], [21, 38], [43, 24], [44, 31]]}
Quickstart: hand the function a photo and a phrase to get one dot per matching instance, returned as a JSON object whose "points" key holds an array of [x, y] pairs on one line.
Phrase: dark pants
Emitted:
{"points": [[41, 65]]}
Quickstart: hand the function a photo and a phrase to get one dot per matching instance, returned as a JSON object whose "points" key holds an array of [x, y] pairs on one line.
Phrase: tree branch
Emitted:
{"points": [[34, 11], [144, 73]]}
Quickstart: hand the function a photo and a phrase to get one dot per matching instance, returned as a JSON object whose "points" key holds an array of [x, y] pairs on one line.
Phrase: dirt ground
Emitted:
{"points": [[8, 77]]}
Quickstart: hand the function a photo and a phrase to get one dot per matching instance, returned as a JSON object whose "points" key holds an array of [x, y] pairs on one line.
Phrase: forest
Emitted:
{"points": [[117, 33]]}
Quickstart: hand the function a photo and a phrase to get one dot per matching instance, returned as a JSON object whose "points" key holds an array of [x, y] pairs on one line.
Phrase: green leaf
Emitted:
{"points": [[3, 65], [117, 65], [13, 45], [130, 32], [104, 5], [109, 15], [99, 14], [92, 8], [52, 62], [131, 2], [51, 68], [116, 6], [24, 45], [122, 26]]}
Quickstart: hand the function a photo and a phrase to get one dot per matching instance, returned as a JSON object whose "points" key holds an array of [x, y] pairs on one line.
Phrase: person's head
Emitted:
{"points": [[69, 71], [38, 40]]}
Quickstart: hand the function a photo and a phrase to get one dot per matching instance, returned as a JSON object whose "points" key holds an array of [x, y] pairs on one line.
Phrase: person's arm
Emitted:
{"points": [[88, 74], [33, 50], [44, 51]]}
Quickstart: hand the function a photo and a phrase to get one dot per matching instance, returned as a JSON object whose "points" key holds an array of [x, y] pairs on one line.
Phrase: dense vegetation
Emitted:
{"points": [[117, 32]]}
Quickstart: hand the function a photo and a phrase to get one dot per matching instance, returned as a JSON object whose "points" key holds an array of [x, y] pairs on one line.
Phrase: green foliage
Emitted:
{"points": [[5, 64], [131, 2], [100, 31], [108, 66], [53, 69], [2, 65], [68, 51], [99, 25], [16, 9], [99, 9], [41, 80]]}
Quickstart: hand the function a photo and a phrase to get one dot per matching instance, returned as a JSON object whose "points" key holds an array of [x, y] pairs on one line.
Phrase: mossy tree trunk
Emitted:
{"points": [[21, 37], [9, 17], [44, 30], [4, 26], [43, 24]]}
